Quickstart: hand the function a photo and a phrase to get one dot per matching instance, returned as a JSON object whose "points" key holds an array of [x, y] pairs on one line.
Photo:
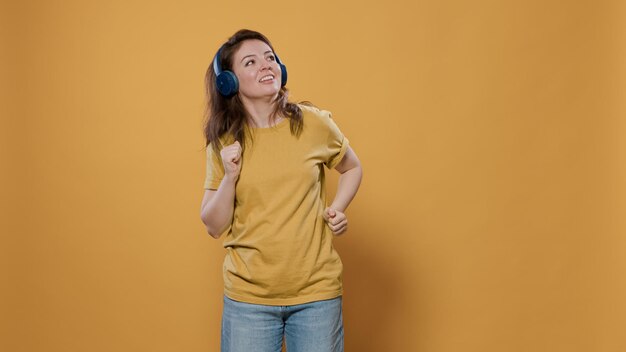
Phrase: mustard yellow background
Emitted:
{"points": [[492, 138]]}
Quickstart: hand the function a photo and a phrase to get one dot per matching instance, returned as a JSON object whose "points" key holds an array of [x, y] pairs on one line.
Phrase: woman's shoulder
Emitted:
{"points": [[224, 140], [313, 112], [318, 121]]}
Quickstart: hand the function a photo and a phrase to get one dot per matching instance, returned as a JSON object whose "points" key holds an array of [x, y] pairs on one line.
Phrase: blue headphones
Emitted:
{"points": [[226, 81]]}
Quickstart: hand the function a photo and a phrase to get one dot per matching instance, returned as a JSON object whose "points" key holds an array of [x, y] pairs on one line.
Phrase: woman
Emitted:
{"points": [[265, 190]]}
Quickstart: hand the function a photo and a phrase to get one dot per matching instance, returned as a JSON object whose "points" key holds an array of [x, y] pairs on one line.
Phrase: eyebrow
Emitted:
{"points": [[269, 51]]}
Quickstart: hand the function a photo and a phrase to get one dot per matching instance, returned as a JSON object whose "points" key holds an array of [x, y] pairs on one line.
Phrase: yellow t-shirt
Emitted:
{"points": [[279, 249]]}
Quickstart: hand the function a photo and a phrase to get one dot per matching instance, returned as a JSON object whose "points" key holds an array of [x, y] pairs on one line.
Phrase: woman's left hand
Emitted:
{"points": [[336, 220]]}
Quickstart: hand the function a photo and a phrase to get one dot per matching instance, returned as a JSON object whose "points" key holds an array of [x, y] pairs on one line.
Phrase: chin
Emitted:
{"points": [[269, 93]]}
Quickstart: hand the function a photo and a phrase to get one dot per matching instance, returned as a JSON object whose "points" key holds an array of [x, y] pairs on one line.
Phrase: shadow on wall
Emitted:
{"points": [[374, 289]]}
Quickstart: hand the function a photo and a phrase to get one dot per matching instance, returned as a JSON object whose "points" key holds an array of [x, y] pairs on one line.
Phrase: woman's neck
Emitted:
{"points": [[260, 110]]}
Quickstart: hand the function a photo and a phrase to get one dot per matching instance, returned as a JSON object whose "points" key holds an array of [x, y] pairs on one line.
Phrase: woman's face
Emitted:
{"points": [[256, 68]]}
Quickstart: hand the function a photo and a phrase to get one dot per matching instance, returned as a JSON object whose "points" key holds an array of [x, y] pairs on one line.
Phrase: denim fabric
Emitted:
{"points": [[309, 327]]}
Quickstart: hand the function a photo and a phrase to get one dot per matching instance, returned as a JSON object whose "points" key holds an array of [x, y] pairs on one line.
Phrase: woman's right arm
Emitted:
{"points": [[217, 207]]}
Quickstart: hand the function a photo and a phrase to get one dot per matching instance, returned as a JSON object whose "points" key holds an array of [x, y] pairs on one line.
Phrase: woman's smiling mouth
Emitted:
{"points": [[267, 78]]}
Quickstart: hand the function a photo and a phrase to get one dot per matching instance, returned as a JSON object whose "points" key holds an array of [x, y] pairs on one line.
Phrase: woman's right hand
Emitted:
{"points": [[231, 159]]}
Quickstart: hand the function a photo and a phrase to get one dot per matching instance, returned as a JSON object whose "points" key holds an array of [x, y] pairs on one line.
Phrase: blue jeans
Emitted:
{"points": [[309, 327]]}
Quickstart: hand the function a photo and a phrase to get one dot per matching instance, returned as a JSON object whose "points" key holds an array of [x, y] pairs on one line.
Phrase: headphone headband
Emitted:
{"points": [[217, 62]]}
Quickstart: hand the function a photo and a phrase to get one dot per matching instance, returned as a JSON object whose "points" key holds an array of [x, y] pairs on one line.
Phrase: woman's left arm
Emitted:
{"points": [[349, 181]]}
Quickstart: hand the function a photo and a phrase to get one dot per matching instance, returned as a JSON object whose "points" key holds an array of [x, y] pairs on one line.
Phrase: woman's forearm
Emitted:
{"points": [[217, 214], [347, 187]]}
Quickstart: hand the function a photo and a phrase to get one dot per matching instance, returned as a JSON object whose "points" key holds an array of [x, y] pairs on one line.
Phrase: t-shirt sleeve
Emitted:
{"points": [[336, 144], [214, 169]]}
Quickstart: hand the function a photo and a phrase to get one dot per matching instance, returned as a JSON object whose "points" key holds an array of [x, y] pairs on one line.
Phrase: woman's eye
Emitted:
{"points": [[249, 62], [272, 57]]}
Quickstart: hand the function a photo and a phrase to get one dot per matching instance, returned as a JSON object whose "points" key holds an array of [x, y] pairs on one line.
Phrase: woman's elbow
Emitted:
{"points": [[214, 232], [211, 233], [209, 229]]}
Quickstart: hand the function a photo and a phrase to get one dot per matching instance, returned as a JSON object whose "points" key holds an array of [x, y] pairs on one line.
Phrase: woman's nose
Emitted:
{"points": [[266, 65]]}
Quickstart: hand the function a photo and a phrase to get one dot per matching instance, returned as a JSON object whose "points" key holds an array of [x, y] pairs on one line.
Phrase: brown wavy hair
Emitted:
{"points": [[227, 116]]}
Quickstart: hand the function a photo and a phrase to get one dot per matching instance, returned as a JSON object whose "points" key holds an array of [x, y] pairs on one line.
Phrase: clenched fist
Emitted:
{"points": [[336, 220], [231, 159]]}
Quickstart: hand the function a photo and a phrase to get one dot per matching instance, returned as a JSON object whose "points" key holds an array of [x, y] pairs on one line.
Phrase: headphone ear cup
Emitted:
{"points": [[283, 75], [227, 83]]}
